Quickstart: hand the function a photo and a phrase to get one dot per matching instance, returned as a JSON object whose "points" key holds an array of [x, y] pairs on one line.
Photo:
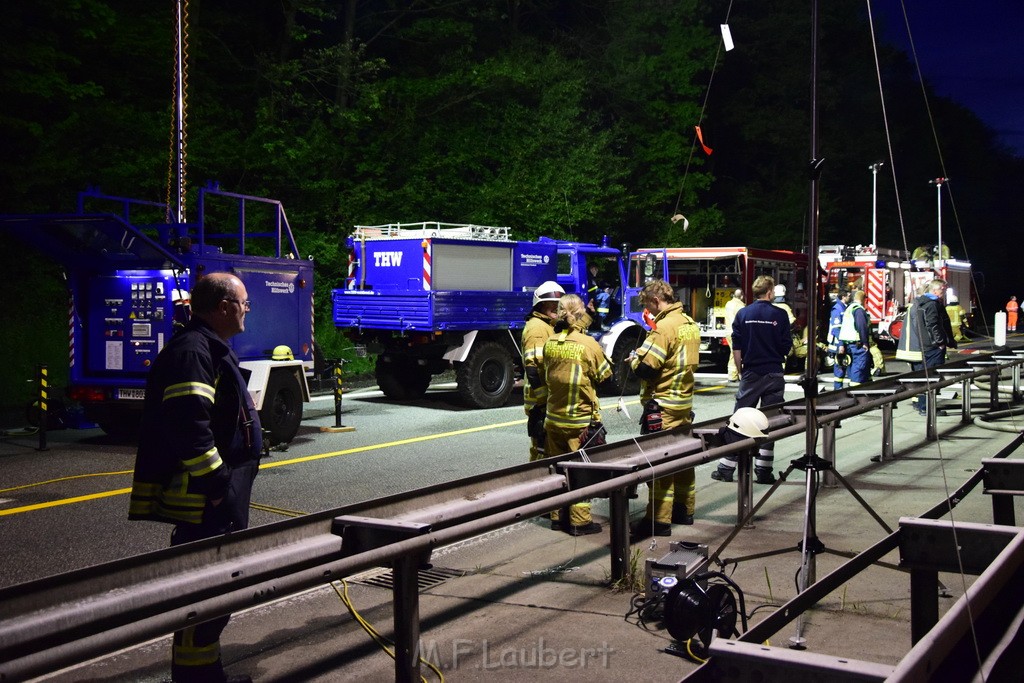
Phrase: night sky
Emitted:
{"points": [[970, 52]]}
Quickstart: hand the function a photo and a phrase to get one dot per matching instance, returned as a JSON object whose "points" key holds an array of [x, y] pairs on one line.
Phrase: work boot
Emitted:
{"points": [[764, 475], [681, 516], [582, 529], [722, 474], [638, 531]]}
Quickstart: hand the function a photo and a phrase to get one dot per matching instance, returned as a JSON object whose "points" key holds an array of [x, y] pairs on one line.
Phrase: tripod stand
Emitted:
{"points": [[810, 545]]}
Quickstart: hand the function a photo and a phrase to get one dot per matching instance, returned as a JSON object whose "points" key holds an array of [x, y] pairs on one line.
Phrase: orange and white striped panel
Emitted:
{"points": [[874, 285], [427, 270]]}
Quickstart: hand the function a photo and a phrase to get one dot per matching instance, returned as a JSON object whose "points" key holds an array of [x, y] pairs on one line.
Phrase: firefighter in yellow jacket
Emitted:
{"points": [[665, 364], [539, 326], [574, 365]]}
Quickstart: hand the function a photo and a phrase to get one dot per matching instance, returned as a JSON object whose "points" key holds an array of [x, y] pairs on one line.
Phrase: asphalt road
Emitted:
{"points": [[66, 508]]}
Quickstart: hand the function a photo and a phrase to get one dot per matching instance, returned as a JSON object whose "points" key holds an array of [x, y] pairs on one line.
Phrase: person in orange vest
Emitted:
{"points": [[1011, 314]]}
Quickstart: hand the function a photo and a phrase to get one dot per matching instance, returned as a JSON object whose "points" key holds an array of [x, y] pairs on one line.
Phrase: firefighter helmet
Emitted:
{"points": [[780, 290], [282, 352], [749, 422], [547, 291]]}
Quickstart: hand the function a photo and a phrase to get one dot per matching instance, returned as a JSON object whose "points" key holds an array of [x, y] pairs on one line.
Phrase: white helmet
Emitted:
{"points": [[547, 291], [780, 290], [749, 422]]}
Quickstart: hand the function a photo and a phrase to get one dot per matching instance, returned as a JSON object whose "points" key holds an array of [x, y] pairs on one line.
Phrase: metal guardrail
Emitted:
{"points": [[60, 620]]}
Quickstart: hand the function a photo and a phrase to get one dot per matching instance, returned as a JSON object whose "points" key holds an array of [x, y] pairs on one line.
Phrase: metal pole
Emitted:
{"points": [[337, 389], [179, 124], [337, 394], [811, 374], [874, 201], [938, 183], [44, 393]]}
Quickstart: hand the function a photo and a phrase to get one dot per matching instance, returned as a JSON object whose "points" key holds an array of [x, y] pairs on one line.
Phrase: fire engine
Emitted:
{"points": [[705, 279], [891, 279]]}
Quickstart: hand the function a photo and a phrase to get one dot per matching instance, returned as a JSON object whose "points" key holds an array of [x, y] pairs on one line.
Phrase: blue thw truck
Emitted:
{"points": [[428, 297], [129, 272]]}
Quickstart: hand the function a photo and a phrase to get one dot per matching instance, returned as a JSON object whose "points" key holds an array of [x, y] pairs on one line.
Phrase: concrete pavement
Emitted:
{"points": [[529, 603]]}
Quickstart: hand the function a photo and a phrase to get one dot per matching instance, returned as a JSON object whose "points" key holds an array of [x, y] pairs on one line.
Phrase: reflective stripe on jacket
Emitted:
{"points": [[672, 349], [855, 325], [908, 347], [574, 365], [198, 421], [537, 330]]}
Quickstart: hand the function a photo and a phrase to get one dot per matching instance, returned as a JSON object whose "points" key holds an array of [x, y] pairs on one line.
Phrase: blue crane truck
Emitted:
{"points": [[129, 271], [428, 297]]}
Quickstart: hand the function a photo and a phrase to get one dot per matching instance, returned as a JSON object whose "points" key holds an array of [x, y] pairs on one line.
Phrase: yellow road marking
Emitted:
{"points": [[268, 465]]}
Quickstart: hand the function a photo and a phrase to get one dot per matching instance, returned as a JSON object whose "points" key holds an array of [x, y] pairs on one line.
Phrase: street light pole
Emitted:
{"points": [[874, 201], [938, 183]]}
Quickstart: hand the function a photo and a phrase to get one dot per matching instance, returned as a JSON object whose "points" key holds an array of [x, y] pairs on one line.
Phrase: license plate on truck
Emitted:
{"points": [[131, 394]]}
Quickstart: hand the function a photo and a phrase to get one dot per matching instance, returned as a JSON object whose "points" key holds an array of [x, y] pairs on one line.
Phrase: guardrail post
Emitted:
{"points": [[924, 602], [745, 487], [828, 452], [965, 401], [618, 523], [931, 428], [993, 390], [406, 597], [887, 432], [1003, 480], [43, 386]]}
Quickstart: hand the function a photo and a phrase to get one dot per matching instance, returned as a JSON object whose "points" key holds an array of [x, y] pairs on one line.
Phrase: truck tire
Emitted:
{"points": [[120, 422], [282, 407], [485, 378], [402, 379], [623, 381]]}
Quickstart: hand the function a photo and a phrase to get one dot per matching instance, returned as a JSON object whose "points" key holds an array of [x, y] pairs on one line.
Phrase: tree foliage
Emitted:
{"points": [[568, 119]]}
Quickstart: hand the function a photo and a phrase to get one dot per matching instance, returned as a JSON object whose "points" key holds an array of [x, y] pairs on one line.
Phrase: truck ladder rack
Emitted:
{"points": [[432, 229]]}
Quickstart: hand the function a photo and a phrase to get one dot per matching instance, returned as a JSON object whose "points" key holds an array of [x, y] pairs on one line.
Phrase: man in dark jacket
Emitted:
{"points": [[199, 448], [761, 340], [933, 329]]}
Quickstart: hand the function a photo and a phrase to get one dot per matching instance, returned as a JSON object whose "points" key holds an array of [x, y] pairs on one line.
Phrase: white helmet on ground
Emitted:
{"points": [[780, 290], [749, 422], [547, 291]]}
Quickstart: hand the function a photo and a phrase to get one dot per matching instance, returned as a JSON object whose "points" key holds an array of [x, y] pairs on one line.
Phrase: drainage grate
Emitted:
{"points": [[428, 578]]}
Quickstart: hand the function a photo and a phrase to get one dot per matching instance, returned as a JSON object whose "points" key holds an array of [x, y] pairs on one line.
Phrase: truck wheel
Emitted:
{"points": [[402, 379], [485, 378], [282, 407], [623, 381], [121, 423]]}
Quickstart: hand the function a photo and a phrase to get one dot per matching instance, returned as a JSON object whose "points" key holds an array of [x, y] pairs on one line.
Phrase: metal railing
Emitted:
{"points": [[60, 620]]}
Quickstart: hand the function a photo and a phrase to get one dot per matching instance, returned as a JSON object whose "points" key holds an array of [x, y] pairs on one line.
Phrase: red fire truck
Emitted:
{"points": [[706, 277], [891, 279]]}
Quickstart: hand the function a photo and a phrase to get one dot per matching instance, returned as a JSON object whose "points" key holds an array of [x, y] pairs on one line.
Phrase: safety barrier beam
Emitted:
{"points": [[944, 648], [61, 620], [1004, 479]]}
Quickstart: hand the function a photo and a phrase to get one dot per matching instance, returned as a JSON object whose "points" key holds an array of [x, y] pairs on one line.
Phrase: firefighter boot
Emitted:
{"points": [[681, 516], [764, 475], [646, 528], [722, 474]]}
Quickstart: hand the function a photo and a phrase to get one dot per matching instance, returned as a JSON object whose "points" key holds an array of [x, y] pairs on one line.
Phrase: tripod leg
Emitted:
{"points": [[743, 522], [860, 500], [808, 561]]}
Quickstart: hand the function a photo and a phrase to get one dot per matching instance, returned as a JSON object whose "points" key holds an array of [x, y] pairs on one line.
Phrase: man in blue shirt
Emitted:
{"points": [[835, 324], [855, 340], [761, 340]]}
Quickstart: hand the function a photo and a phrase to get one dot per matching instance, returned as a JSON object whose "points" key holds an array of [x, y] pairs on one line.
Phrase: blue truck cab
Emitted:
{"points": [[428, 297]]}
